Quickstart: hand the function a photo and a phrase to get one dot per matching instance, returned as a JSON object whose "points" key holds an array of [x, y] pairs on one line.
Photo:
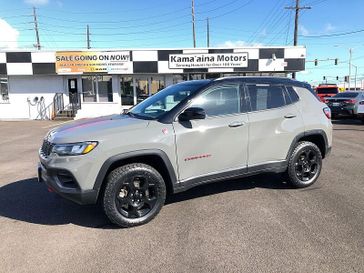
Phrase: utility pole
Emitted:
{"points": [[208, 31], [350, 55], [37, 45], [193, 23], [88, 36], [297, 9]]}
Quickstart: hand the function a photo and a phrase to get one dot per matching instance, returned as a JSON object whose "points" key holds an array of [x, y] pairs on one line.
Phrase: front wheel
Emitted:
{"points": [[304, 165], [134, 194]]}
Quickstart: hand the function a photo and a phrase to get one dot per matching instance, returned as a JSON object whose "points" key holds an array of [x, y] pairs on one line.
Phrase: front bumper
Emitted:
{"points": [[63, 182]]}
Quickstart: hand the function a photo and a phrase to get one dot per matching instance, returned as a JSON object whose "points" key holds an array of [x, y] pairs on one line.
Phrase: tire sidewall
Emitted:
{"points": [[301, 146], [115, 182]]}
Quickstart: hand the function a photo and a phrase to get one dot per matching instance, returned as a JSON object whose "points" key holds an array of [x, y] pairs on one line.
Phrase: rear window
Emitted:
{"points": [[347, 95], [327, 90], [264, 97]]}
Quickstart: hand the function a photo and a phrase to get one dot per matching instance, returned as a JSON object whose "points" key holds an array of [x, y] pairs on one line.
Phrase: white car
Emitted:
{"points": [[361, 110]]}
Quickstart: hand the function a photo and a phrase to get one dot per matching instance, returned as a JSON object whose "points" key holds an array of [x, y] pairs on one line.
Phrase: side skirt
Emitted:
{"points": [[273, 167]]}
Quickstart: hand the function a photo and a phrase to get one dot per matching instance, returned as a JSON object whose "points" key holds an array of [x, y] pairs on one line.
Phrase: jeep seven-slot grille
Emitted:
{"points": [[46, 148]]}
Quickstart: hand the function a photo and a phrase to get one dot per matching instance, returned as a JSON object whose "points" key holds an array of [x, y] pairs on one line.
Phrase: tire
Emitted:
{"points": [[134, 194], [304, 164]]}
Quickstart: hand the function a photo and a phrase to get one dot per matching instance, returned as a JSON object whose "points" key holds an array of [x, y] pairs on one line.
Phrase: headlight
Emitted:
{"points": [[80, 148]]}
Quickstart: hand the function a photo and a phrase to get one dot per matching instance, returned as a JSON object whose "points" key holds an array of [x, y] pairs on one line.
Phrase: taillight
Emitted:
{"points": [[351, 101], [327, 112]]}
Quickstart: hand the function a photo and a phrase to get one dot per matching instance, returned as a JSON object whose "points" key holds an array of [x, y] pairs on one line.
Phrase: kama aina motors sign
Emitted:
{"points": [[208, 60]]}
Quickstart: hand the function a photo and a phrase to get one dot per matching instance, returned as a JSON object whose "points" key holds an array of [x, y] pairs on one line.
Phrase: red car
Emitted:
{"points": [[326, 91]]}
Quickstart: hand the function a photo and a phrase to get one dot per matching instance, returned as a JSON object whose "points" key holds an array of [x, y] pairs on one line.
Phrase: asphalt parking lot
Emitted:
{"points": [[257, 224]]}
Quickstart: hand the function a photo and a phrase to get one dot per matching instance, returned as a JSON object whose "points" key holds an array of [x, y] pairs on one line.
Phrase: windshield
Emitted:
{"points": [[347, 95], [327, 90], [165, 100]]}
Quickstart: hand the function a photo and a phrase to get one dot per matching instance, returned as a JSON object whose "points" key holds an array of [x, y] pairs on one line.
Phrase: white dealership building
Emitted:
{"points": [[87, 83]]}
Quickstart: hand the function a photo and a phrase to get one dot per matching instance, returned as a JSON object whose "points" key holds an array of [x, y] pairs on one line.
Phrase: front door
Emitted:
{"points": [[73, 92], [217, 143]]}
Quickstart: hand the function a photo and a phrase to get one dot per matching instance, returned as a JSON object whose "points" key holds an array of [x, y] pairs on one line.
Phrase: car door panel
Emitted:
{"points": [[217, 143], [211, 145], [273, 125]]}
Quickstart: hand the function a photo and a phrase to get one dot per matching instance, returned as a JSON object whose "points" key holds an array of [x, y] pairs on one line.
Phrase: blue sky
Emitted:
{"points": [[166, 23]]}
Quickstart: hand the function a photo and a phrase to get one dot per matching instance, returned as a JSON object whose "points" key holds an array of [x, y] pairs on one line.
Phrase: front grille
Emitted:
{"points": [[46, 148]]}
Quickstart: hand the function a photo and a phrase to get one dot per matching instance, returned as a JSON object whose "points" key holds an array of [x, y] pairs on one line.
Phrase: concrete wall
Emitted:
{"points": [[22, 91]]}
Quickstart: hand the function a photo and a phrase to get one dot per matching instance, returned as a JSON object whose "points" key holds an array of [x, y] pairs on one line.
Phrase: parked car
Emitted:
{"points": [[361, 110], [325, 91], [188, 134], [345, 103]]}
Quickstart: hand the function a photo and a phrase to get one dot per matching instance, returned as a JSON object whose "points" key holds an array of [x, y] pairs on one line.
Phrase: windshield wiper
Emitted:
{"points": [[139, 116]]}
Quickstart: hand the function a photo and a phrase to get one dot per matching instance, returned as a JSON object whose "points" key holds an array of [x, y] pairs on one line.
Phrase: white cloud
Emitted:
{"points": [[303, 31], [237, 43], [36, 2], [329, 27], [8, 35]]}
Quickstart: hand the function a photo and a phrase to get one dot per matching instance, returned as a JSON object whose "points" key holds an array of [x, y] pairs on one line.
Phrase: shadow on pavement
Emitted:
{"points": [[29, 201]]}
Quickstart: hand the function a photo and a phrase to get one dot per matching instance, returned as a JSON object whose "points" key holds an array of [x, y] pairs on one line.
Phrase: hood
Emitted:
{"points": [[95, 129]]}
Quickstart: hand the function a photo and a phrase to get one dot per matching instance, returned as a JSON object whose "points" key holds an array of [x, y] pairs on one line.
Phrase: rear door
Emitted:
{"points": [[219, 142], [274, 122]]}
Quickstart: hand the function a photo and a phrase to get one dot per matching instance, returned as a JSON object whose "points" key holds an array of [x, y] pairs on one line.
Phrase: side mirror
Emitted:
{"points": [[192, 113]]}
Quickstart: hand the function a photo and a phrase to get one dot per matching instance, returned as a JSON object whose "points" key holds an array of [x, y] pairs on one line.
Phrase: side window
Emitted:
{"points": [[266, 96], [292, 94], [219, 100]]}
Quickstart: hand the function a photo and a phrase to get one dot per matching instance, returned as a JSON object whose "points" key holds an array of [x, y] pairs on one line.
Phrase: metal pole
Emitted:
{"points": [[350, 54], [208, 32], [356, 71], [88, 37], [193, 23], [36, 29], [297, 9]]}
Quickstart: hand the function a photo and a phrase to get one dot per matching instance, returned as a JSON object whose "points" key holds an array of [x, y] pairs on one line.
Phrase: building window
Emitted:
{"points": [[157, 84], [126, 91], [104, 89], [142, 88], [97, 88], [179, 78], [4, 93]]}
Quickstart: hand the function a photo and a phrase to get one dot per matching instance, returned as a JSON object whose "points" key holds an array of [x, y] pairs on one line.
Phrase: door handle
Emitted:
{"points": [[290, 116], [236, 124]]}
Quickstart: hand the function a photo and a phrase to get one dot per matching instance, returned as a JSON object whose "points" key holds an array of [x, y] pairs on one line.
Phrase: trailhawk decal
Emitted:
{"points": [[197, 157]]}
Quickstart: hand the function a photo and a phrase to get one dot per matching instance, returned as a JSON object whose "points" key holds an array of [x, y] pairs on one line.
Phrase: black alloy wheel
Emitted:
{"points": [[304, 165], [136, 197], [134, 194], [307, 164]]}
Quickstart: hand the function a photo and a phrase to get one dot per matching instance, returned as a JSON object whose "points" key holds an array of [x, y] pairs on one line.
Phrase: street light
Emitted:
{"points": [[356, 72]]}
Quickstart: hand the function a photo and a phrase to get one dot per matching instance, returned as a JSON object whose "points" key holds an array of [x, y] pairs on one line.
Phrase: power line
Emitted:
{"points": [[271, 16], [333, 34]]}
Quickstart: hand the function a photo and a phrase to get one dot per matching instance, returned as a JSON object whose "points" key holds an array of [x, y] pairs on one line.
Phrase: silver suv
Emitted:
{"points": [[186, 135]]}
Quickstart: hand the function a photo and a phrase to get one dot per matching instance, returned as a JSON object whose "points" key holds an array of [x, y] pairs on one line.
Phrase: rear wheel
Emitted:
{"points": [[304, 165], [134, 194]]}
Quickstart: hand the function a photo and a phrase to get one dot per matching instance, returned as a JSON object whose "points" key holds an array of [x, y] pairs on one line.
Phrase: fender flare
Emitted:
{"points": [[309, 133], [145, 152]]}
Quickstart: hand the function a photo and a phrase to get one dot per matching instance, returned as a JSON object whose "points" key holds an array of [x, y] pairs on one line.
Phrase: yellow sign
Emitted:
{"points": [[78, 62]]}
